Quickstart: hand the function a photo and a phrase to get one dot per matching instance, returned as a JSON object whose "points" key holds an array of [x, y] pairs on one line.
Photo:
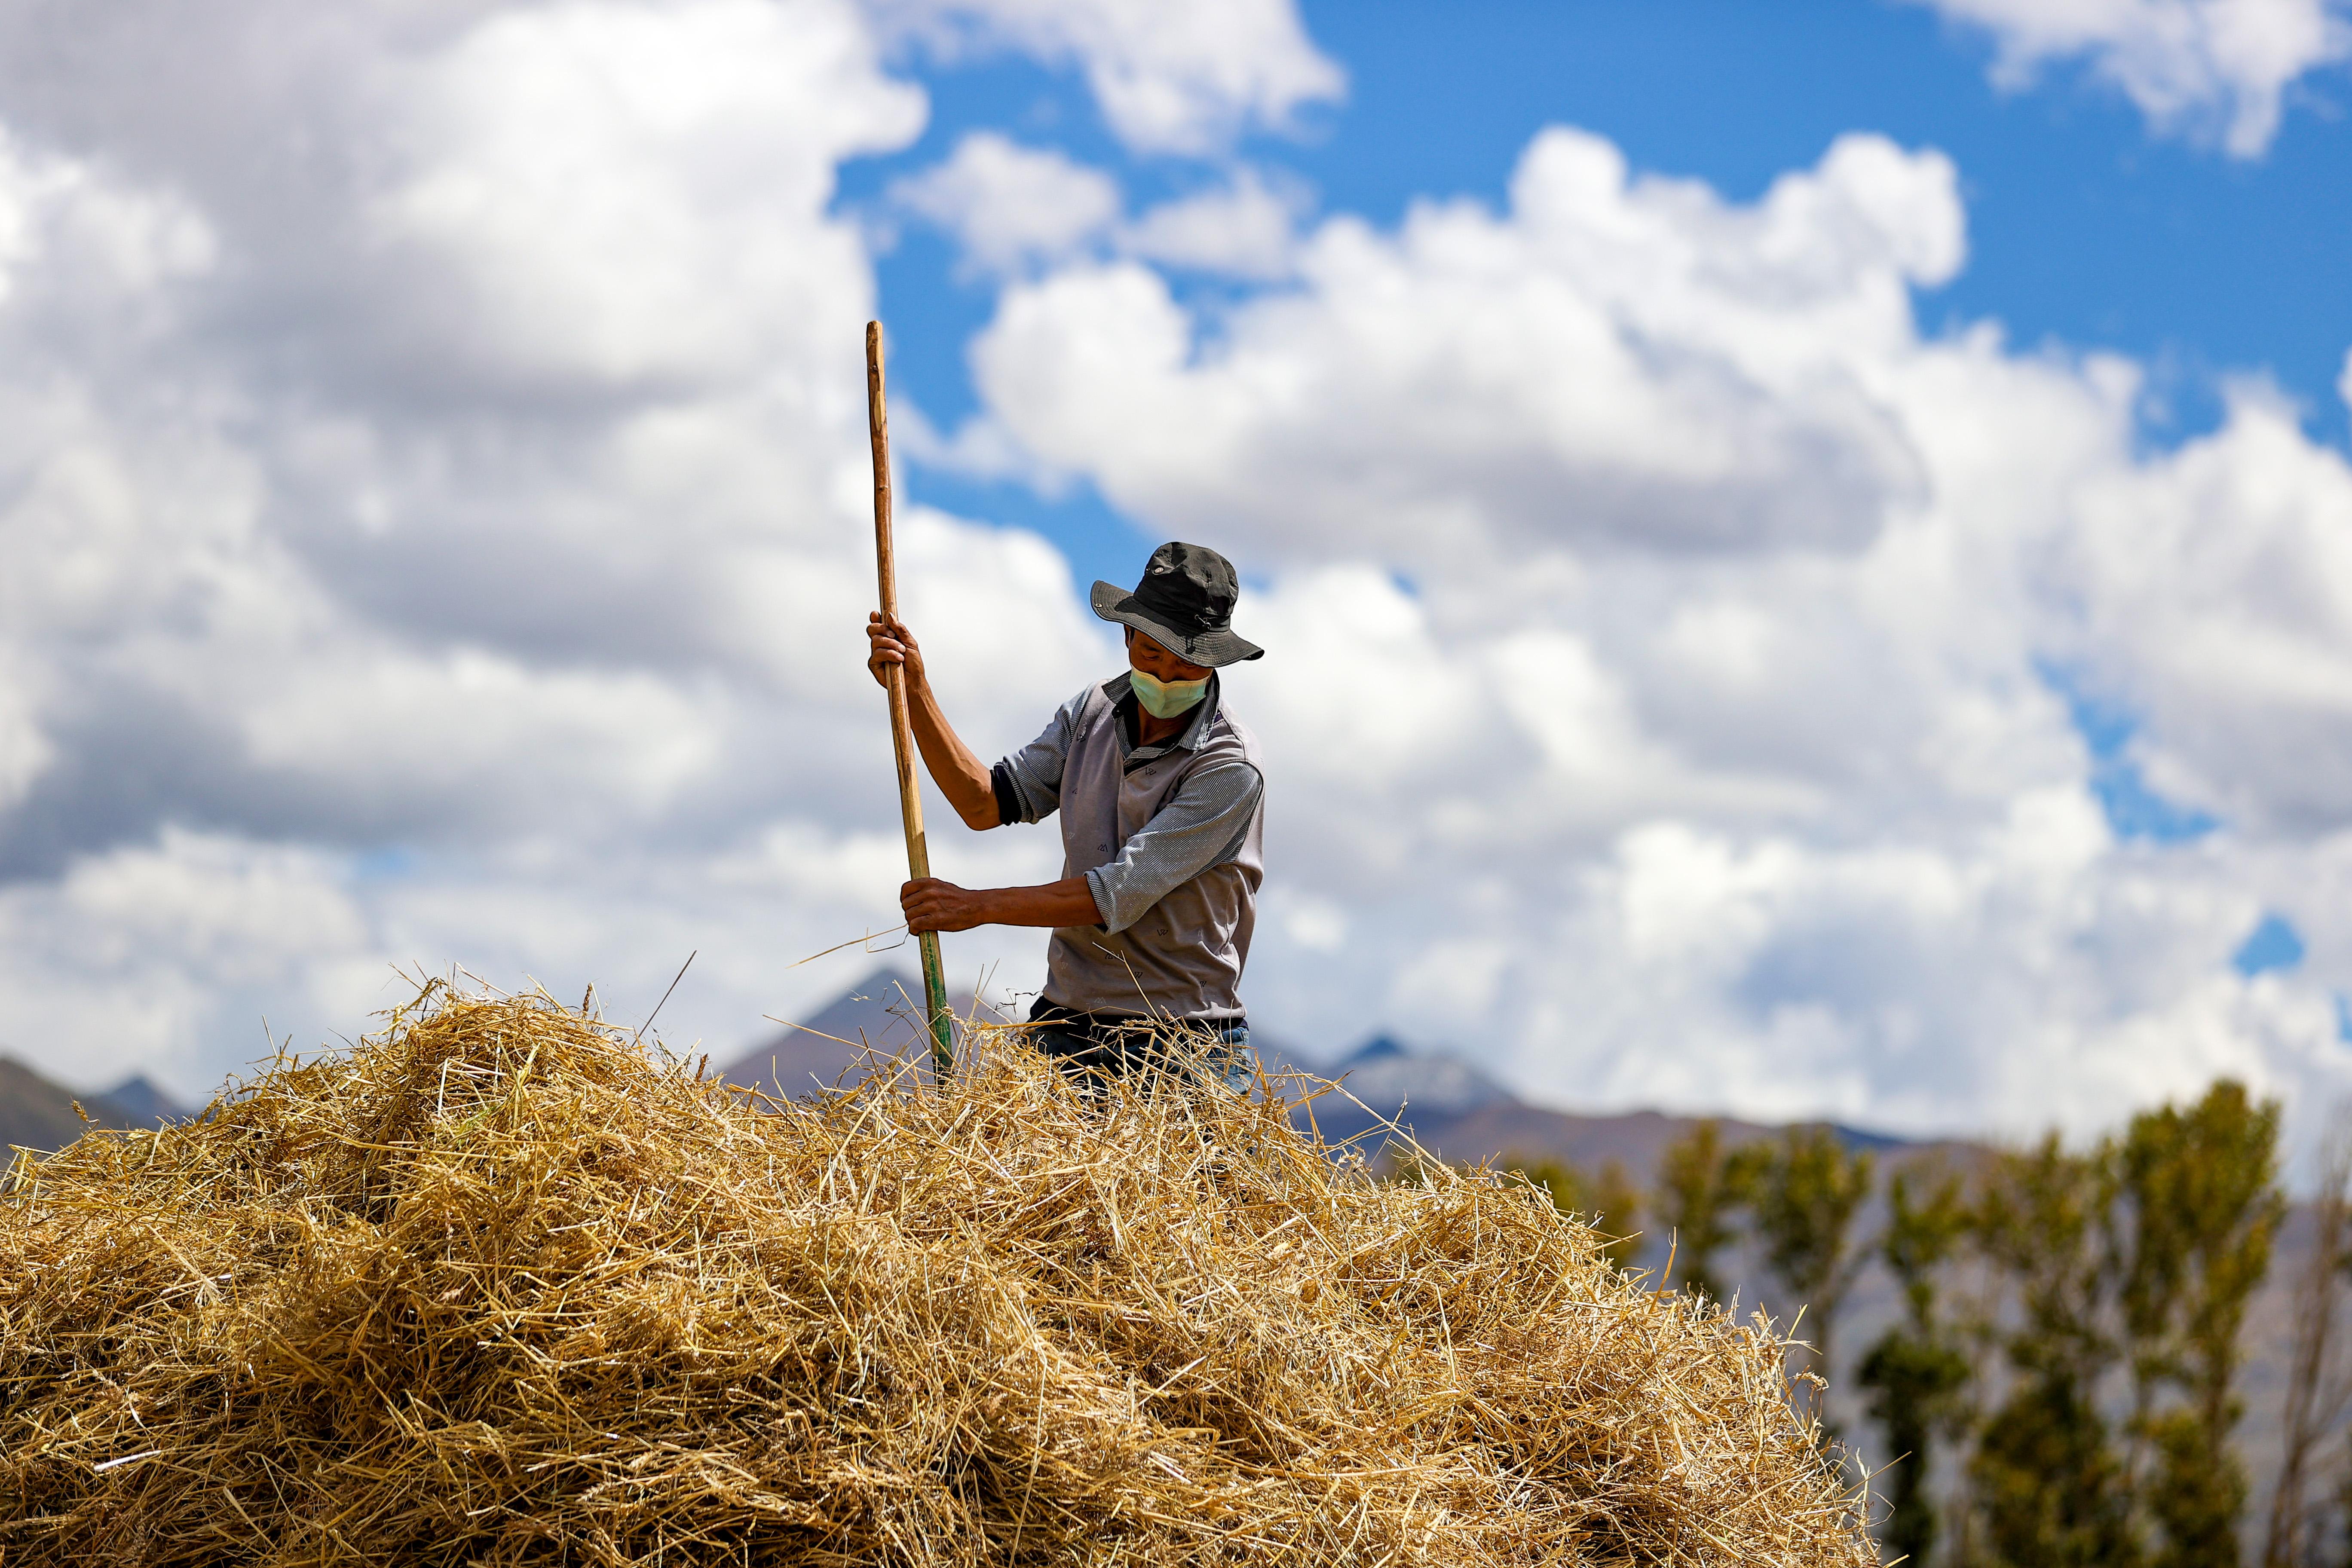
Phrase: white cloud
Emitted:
{"points": [[1168, 79], [1635, 363], [626, 194], [60, 219], [2215, 594], [1011, 207], [2214, 68], [1242, 228], [142, 957], [1008, 204]]}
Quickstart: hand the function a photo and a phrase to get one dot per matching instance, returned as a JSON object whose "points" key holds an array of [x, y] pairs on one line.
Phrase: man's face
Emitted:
{"points": [[1148, 656]]}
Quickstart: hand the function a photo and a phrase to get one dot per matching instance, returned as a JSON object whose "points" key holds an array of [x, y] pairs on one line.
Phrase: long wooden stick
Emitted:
{"points": [[939, 1020]]}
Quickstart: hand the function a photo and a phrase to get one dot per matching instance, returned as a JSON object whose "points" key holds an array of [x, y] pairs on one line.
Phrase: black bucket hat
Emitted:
{"points": [[1185, 603]]}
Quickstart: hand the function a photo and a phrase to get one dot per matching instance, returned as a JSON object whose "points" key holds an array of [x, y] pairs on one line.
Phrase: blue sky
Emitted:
{"points": [[2083, 228], [2086, 231]]}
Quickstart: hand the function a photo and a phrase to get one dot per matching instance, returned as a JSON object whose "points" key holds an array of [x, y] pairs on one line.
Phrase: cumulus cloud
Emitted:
{"points": [[1007, 204], [2215, 598], [1011, 207], [2219, 69], [147, 956], [1168, 79], [633, 197], [1632, 361], [1244, 228]]}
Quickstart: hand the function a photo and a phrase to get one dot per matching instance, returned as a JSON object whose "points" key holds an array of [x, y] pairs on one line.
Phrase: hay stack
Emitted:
{"points": [[496, 1288]]}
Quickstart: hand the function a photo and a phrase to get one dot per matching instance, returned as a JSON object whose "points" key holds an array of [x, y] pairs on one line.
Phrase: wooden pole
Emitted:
{"points": [[938, 1018]]}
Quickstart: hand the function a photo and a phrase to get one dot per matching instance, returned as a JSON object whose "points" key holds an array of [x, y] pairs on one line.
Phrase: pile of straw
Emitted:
{"points": [[498, 1288]]}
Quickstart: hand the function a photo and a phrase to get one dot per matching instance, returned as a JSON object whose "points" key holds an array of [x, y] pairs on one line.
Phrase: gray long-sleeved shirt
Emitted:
{"points": [[1203, 825]]}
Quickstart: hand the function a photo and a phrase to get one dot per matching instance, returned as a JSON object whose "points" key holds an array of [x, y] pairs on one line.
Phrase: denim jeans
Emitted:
{"points": [[1145, 1051]]}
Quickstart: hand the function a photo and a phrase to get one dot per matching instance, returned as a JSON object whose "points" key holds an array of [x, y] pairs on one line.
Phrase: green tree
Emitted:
{"points": [[1807, 1187], [2051, 1490], [2197, 1493], [1610, 1200], [1917, 1369], [2315, 1390], [2192, 1240], [1700, 1189]]}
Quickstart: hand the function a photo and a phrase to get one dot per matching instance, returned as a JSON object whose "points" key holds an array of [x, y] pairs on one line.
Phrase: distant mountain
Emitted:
{"points": [[1446, 1103], [1635, 1139], [139, 1098], [37, 1114], [1384, 1081], [1383, 1072], [1454, 1109], [881, 1013]]}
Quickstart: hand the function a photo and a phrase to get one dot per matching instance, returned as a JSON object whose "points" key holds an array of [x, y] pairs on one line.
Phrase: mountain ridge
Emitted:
{"points": [[1448, 1104], [38, 1113]]}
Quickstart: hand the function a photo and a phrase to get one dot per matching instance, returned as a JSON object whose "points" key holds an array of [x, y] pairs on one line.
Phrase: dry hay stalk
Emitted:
{"points": [[496, 1288]]}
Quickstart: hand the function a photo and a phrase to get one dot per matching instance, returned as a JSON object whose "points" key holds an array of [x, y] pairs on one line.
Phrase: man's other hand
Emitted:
{"points": [[888, 643], [934, 905]]}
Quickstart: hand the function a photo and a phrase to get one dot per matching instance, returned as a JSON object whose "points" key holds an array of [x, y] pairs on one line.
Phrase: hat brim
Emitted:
{"points": [[1212, 650]]}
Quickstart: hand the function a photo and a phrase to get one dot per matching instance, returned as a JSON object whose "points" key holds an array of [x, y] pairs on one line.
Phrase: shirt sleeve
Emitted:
{"points": [[1202, 827], [1029, 780]]}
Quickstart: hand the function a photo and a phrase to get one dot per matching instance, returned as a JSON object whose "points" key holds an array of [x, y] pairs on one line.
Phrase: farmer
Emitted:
{"points": [[1162, 799]]}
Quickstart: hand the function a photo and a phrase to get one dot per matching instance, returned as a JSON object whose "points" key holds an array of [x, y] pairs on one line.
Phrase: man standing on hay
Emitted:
{"points": [[1162, 801]]}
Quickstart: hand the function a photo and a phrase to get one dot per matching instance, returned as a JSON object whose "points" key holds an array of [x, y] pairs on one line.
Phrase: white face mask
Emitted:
{"points": [[1166, 698]]}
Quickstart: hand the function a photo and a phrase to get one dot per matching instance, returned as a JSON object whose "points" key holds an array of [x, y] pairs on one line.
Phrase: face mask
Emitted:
{"points": [[1166, 698]]}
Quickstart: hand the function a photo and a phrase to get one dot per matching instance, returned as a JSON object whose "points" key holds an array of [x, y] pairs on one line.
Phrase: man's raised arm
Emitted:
{"points": [[961, 776]]}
